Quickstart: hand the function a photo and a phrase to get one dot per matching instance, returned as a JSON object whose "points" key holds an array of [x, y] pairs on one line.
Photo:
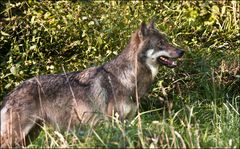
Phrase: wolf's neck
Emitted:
{"points": [[123, 68]]}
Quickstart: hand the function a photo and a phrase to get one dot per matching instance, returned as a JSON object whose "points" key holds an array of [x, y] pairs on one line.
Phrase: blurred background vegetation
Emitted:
{"points": [[41, 37]]}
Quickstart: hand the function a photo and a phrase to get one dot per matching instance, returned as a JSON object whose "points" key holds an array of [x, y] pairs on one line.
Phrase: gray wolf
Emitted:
{"points": [[69, 99]]}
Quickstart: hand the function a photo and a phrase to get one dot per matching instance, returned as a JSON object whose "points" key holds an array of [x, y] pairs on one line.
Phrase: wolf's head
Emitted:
{"points": [[154, 48]]}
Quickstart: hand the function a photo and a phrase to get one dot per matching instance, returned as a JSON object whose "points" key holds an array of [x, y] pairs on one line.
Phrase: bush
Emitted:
{"points": [[43, 37]]}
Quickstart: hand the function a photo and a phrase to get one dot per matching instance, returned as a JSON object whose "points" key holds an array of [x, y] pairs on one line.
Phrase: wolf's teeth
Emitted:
{"points": [[174, 63], [164, 59]]}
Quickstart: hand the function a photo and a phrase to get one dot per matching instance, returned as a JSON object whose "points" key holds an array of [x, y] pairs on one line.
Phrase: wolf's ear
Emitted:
{"points": [[151, 25], [143, 30]]}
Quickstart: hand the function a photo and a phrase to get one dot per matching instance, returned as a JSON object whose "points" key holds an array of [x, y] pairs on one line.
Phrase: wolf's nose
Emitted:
{"points": [[180, 52]]}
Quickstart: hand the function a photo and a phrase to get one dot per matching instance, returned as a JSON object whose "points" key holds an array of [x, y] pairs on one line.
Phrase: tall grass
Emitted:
{"points": [[193, 106], [192, 126]]}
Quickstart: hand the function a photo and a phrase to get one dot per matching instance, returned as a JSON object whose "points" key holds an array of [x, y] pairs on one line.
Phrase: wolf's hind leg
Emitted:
{"points": [[15, 125]]}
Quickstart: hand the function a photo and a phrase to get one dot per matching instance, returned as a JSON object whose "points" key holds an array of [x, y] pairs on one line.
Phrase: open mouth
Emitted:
{"points": [[167, 61]]}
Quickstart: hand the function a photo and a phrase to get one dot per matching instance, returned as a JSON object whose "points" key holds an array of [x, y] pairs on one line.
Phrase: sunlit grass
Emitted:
{"points": [[192, 126], [193, 106]]}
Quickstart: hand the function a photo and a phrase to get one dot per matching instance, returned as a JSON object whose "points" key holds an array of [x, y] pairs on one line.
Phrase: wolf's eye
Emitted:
{"points": [[159, 44]]}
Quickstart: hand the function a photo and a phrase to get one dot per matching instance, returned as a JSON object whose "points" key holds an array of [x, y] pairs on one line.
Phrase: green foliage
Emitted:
{"points": [[42, 37]]}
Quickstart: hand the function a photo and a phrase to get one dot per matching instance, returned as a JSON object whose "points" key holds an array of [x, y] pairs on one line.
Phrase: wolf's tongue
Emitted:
{"points": [[167, 62], [171, 63]]}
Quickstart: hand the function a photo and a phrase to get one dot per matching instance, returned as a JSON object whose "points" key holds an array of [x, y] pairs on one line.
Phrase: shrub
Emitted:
{"points": [[42, 37]]}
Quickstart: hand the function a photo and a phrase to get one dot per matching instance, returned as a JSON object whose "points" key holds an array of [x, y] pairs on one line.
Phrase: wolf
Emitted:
{"points": [[85, 97]]}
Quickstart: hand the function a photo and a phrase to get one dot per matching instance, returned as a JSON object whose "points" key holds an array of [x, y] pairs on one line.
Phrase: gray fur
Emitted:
{"points": [[67, 100]]}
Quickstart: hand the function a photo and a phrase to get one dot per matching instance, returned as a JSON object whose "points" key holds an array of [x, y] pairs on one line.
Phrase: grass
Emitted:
{"points": [[193, 126], [193, 106]]}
